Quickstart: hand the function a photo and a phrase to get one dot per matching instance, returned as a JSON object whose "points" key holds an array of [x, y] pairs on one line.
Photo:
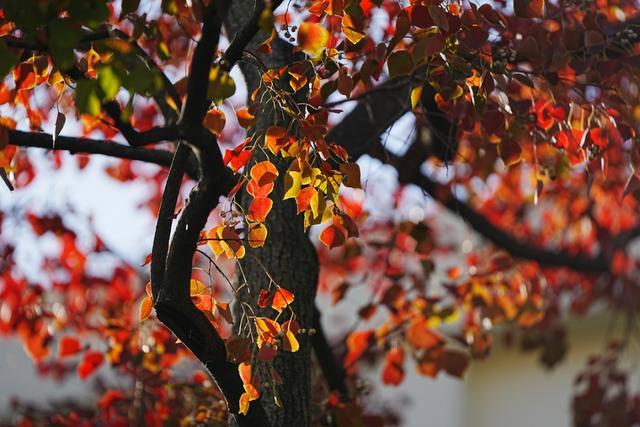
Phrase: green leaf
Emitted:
{"points": [[8, 59], [64, 37], [129, 6], [87, 99], [91, 13], [400, 62], [109, 82], [221, 85]]}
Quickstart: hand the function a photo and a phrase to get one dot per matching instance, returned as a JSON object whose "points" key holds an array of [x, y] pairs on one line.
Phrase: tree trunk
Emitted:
{"points": [[288, 255]]}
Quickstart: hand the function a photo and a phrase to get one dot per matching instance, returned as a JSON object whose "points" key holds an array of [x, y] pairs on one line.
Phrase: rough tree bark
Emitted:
{"points": [[289, 256]]}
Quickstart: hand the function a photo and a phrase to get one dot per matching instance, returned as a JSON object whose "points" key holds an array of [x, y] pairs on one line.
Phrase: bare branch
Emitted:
{"points": [[245, 36], [136, 138], [332, 369], [75, 145]]}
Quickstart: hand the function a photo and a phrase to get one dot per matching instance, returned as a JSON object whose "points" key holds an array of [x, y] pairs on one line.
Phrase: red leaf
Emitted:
{"points": [[68, 346], [264, 299], [333, 236], [91, 361], [109, 397], [259, 209]]}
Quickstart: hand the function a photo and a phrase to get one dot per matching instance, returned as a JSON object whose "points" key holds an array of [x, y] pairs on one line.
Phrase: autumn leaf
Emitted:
{"points": [[145, 308], [275, 138], [290, 342], [259, 209], [68, 346], [238, 349], [357, 343], [419, 335], [333, 236], [351, 172], [257, 235], [281, 299], [91, 361], [312, 38], [214, 120], [264, 173], [393, 372], [529, 8], [196, 287], [245, 118], [221, 85]]}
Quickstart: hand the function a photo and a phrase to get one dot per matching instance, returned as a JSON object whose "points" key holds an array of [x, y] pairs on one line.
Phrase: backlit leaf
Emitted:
{"points": [[91, 361], [259, 209], [312, 38], [281, 299], [68, 346], [333, 236], [214, 120]]}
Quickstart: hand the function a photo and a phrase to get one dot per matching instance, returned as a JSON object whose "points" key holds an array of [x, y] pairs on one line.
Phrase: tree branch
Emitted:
{"points": [[332, 369], [76, 145], [139, 139], [245, 36], [196, 101], [443, 194], [172, 299]]}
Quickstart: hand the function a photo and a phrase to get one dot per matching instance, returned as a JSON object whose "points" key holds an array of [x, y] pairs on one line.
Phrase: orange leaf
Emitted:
{"points": [[245, 118], [214, 120], [244, 369], [68, 346], [357, 343], [275, 138], [238, 157], [225, 312], [257, 235], [36, 345], [281, 299], [419, 335], [393, 372], [264, 173], [145, 308], [196, 287], [257, 190], [244, 404], [259, 209], [147, 260], [303, 199], [312, 37]]}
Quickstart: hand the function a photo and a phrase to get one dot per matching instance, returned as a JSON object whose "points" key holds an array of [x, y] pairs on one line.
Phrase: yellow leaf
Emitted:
{"points": [[290, 342], [244, 404], [353, 35], [196, 287], [416, 94], [312, 38], [292, 184], [145, 308]]}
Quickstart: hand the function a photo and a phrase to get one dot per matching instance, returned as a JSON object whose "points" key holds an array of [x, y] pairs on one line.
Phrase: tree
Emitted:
{"points": [[525, 120]]}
